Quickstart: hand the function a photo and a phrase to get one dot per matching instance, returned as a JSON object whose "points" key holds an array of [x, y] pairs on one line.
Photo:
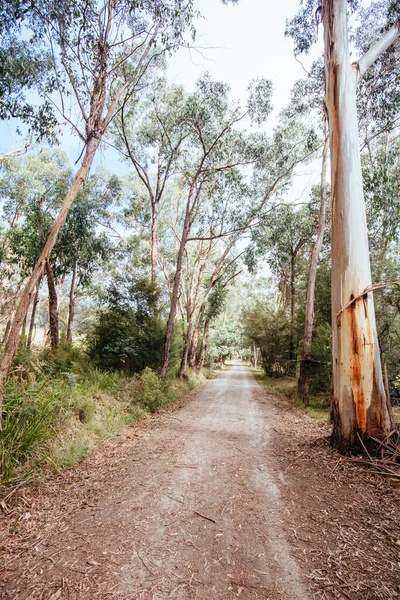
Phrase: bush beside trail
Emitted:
{"points": [[58, 406]]}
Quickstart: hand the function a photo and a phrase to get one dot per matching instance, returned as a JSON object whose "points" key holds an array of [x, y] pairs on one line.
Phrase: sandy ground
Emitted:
{"points": [[235, 495]]}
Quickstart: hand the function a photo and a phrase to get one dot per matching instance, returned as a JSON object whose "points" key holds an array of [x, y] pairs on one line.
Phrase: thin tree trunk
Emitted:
{"points": [[304, 375], [255, 355], [71, 307], [26, 295], [203, 348], [33, 316], [7, 330], [292, 367], [53, 308], [359, 404], [45, 323], [187, 344], [193, 348], [175, 293], [154, 241]]}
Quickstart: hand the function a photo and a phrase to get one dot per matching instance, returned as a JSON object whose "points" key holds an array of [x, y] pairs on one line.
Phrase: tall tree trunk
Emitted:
{"points": [[193, 348], [304, 375], [7, 330], [71, 307], [175, 293], [154, 241], [203, 348], [359, 404], [53, 308], [33, 316], [254, 358], [186, 347], [292, 366], [26, 295]]}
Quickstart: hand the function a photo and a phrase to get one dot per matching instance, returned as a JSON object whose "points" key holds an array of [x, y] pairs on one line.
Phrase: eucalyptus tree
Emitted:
{"points": [[32, 189], [307, 103], [87, 44], [381, 176], [212, 147], [215, 235], [283, 239], [360, 405], [82, 248], [150, 133], [24, 67]]}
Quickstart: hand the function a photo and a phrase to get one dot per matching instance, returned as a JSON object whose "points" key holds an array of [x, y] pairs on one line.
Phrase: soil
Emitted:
{"points": [[235, 495]]}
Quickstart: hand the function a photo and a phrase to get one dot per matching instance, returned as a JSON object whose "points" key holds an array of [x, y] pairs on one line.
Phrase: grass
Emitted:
{"points": [[319, 407], [58, 408]]}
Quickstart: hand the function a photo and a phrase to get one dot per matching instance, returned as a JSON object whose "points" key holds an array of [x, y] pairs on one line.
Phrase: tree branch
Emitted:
{"points": [[378, 49]]}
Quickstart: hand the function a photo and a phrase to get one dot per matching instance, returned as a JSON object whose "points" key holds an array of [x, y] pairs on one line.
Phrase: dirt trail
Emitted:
{"points": [[193, 512]]}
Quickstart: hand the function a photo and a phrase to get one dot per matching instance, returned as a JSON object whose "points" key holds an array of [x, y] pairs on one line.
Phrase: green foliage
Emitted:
{"points": [[68, 361], [321, 359], [127, 335], [30, 410], [40, 43], [152, 390], [269, 328]]}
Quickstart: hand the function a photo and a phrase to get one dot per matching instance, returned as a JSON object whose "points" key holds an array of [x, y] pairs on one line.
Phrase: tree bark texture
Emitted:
{"points": [[154, 241], [53, 308], [6, 331], [358, 396], [33, 316], [304, 375], [71, 307], [186, 347], [292, 354], [193, 348], [175, 293], [203, 348]]}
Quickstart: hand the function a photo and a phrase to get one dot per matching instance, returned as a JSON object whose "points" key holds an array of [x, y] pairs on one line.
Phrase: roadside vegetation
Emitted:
{"points": [[59, 406], [286, 388]]}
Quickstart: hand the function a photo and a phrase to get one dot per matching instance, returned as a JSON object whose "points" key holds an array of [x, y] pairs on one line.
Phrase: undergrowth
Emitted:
{"points": [[319, 407], [57, 407]]}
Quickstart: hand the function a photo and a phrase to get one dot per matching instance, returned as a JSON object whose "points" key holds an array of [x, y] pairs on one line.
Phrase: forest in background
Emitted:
{"points": [[149, 276]]}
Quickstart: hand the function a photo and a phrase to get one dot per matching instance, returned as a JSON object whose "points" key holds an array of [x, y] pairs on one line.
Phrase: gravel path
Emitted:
{"points": [[193, 510]]}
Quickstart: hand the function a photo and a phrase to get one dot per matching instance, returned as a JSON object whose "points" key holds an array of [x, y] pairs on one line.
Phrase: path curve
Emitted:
{"points": [[193, 513]]}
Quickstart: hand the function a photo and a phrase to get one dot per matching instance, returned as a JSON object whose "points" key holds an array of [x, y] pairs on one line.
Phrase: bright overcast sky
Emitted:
{"points": [[244, 41]]}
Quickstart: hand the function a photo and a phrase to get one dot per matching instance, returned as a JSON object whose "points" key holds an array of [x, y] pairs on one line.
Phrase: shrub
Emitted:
{"points": [[127, 335], [29, 415], [321, 363], [152, 395], [270, 329], [66, 359]]}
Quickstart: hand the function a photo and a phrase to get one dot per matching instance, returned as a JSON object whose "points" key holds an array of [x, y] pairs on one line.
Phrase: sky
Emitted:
{"points": [[235, 43], [238, 43]]}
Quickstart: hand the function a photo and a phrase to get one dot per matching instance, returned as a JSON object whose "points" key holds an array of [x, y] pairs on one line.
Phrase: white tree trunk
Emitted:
{"points": [[359, 403]]}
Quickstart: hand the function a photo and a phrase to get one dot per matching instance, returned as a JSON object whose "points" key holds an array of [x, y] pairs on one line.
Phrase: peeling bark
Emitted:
{"points": [[359, 404]]}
